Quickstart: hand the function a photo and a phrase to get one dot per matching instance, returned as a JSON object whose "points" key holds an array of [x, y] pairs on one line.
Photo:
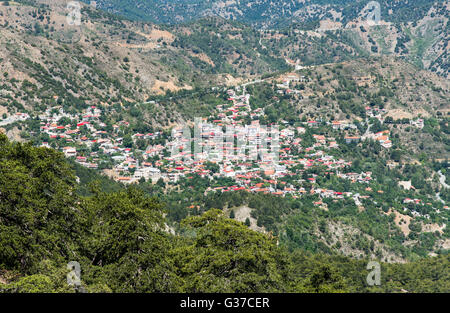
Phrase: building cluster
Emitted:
{"points": [[230, 144]]}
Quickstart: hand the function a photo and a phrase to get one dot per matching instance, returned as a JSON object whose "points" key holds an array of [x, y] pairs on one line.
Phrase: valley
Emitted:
{"points": [[223, 149]]}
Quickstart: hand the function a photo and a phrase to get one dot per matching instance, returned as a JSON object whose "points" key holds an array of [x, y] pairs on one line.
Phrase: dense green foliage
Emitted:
{"points": [[38, 209], [123, 244]]}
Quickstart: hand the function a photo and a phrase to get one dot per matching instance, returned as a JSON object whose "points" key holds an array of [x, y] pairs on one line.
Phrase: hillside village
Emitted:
{"points": [[250, 164], [224, 146]]}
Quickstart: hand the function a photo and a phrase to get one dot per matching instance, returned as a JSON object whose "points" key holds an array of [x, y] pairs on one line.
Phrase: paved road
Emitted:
{"points": [[9, 120]]}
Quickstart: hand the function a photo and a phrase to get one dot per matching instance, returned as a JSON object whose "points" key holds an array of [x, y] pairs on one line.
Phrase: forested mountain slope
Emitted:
{"points": [[264, 12], [415, 30], [116, 63]]}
